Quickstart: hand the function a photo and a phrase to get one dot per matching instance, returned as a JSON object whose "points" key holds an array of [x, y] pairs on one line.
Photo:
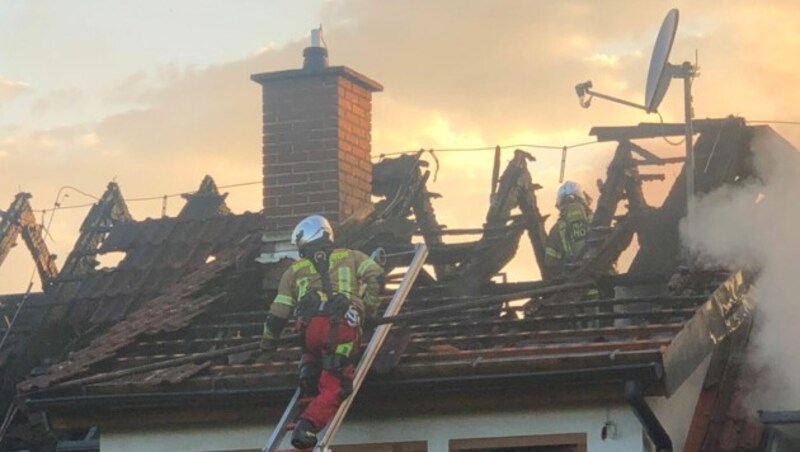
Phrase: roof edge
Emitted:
{"points": [[649, 374]]}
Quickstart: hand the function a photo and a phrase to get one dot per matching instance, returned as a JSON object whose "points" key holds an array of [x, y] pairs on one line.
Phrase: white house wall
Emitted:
{"points": [[438, 428]]}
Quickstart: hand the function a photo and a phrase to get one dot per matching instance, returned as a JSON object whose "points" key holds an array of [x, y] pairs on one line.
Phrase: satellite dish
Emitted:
{"points": [[658, 77]]}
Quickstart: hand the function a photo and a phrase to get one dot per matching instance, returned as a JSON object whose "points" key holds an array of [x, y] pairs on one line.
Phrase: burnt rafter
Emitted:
{"points": [[653, 130], [502, 231], [723, 155], [403, 184], [18, 220], [515, 188], [464, 266], [612, 191], [205, 202], [605, 241], [109, 211]]}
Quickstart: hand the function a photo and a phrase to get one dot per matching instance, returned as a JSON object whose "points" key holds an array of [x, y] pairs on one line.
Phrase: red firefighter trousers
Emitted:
{"points": [[334, 384]]}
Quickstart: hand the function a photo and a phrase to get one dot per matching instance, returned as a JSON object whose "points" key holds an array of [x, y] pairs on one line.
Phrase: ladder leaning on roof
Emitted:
{"points": [[364, 364]]}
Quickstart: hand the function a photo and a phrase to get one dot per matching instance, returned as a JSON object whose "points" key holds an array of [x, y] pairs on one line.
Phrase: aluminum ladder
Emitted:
{"points": [[327, 435]]}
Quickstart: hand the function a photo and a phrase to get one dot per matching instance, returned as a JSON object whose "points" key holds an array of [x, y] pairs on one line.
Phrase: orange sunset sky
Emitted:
{"points": [[156, 94]]}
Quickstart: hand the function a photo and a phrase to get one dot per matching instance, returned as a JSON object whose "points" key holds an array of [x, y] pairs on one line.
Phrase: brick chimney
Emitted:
{"points": [[317, 123]]}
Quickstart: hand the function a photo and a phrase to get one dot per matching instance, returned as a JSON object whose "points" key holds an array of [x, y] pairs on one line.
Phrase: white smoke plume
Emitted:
{"points": [[756, 225]]}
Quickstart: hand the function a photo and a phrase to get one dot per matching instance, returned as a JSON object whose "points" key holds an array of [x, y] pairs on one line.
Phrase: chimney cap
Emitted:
{"points": [[316, 37], [315, 57]]}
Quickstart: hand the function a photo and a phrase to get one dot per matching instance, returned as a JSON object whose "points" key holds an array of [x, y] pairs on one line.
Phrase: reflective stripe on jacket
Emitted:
{"points": [[352, 274], [567, 237]]}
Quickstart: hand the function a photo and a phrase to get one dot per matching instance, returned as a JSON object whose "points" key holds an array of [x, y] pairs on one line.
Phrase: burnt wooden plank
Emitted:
{"points": [[410, 369], [571, 318], [556, 349], [550, 335], [652, 130]]}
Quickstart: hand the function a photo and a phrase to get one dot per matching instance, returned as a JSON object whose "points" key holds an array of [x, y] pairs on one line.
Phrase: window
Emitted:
{"points": [[415, 446], [575, 442]]}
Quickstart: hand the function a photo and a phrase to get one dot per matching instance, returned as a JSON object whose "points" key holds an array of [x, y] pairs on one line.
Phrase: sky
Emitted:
{"points": [[155, 94]]}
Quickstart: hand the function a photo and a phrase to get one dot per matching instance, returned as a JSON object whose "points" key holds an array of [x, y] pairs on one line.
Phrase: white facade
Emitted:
{"points": [[438, 429]]}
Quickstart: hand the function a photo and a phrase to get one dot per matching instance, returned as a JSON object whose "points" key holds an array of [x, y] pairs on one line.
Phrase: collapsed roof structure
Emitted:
{"points": [[169, 299]]}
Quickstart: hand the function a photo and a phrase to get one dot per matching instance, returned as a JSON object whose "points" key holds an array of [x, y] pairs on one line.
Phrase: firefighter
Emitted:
{"points": [[330, 290], [568, 236], [567, 239]]}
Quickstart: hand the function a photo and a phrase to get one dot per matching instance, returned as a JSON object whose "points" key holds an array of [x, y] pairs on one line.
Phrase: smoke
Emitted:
{"points": [[754, 225]]}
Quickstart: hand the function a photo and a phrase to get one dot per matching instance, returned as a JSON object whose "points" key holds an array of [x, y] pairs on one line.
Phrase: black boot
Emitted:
{"points": [[304, 435]]}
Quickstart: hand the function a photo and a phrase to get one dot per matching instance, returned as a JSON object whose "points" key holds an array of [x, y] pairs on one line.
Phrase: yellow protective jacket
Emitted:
{"points": [[352, 274], [567, 238]]}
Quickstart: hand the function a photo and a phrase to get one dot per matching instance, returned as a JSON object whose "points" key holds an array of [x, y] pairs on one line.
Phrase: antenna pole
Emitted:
{"points": [[686, 72]]}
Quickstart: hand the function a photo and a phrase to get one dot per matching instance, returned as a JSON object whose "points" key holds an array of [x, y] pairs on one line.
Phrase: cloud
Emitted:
{"points": [[203, 112], [59, 100], [143, 88], [270, 46], [11, 88], [603, 59], [45, 143]]}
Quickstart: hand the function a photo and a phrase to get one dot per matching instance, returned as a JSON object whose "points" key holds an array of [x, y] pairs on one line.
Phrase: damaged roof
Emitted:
{"points": [[158, 253], [200, 307], [565, 342], [21, 314]]}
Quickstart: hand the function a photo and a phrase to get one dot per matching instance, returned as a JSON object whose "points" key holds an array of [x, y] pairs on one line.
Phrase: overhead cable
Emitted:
{"points": [[489, 148]]}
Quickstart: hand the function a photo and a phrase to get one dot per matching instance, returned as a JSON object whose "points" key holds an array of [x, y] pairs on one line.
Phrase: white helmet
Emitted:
{"points": [[570, 191], [311, 229]]}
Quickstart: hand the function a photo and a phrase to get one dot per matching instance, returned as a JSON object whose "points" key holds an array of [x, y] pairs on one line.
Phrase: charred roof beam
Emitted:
{"points": [[18, 220], [110, 210], [404, 185], [498, 245], [604, 242], [206, 202]]}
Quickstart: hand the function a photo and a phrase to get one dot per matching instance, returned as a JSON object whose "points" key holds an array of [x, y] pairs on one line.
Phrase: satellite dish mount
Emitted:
{"points": [[658, 78]]}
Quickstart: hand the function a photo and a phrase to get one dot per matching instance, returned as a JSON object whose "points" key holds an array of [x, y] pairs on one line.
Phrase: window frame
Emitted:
{"points": [[404, 446], [561, 439]]}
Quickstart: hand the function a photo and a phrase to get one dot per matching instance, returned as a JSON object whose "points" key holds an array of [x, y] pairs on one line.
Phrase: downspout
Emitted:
{"points": [[652, 426]]}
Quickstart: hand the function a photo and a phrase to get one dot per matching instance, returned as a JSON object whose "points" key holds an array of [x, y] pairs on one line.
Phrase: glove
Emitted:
{"points": [[268, 344]]}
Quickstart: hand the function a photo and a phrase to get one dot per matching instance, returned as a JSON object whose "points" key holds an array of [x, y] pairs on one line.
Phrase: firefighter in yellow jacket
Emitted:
{"points": [[567, 237], [330, 291]]}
